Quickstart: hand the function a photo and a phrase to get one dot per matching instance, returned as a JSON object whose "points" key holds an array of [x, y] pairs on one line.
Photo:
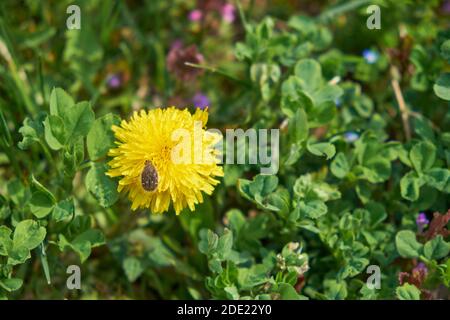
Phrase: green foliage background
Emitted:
{"points": [[357, 164]]}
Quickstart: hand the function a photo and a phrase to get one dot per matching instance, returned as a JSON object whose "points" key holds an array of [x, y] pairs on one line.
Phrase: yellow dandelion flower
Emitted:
{"points": [[146, 159]]}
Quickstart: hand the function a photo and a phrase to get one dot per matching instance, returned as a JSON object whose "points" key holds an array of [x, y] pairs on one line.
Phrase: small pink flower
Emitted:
{"points": [[177, 58], [195, 15], [228, 12]]}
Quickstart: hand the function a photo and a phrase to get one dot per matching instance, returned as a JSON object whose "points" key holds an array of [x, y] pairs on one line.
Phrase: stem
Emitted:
{"points": [[18, 75], [401, 102], [241, 13], [41, 81], [341, 9], [84, 165], [47, 153], [216, 70]]}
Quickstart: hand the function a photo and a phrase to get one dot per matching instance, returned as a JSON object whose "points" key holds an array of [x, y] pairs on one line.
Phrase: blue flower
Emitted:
{"points": [[200, 101], [351, 137], [370, 56]]}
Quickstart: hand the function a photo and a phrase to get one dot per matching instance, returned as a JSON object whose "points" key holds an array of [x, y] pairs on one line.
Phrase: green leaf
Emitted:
{"points": [[377, 213], [63, 210], [436, 248], [438, 178], [42, 200], [363, 105], [5, 209], [101, 137], [339, 166], [103, 188], [442, 86], [312, 209], [293, 97], [159, 255], [232, 292], [60, 102], [322, 149], [236, 220], [39, 187], [335, 290], [266, 76], [309, 71], [306, 187], [423, 127], [83, 243], [55, 133], [225, 244], [410, 186], [5, 240], [202, 218], [17, 192], [353, 267], [445, 50], [215, 265], [298, 127], [78, 121], [364, 191], [407, 292], [67, 121], [423, 156], [28, 234], [133, 268], [279, 200], [328, 93], [11, 284], [41, 204], [322, 114], [258, 189], [368, 294], [376, 170], [208, 241], [288, 292], [407, 245], [31, 131], [73, 156]]}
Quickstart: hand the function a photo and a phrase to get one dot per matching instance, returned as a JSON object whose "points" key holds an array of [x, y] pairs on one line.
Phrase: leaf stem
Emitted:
{"points": [[217, 70], [44, 261]]}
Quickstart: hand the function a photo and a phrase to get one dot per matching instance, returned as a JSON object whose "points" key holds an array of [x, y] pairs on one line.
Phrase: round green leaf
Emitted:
{"points": [[407, 245], [101, 138], [442, 86], [41, 204], [101, 186]]}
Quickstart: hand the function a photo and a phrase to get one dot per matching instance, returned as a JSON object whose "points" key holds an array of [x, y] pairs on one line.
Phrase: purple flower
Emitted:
{"points": [[351, 137], [446, 7], [422, 221], [370, 56], [200, 101], [114, 81], [228, 12], [195, 15], [421, 266]]}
